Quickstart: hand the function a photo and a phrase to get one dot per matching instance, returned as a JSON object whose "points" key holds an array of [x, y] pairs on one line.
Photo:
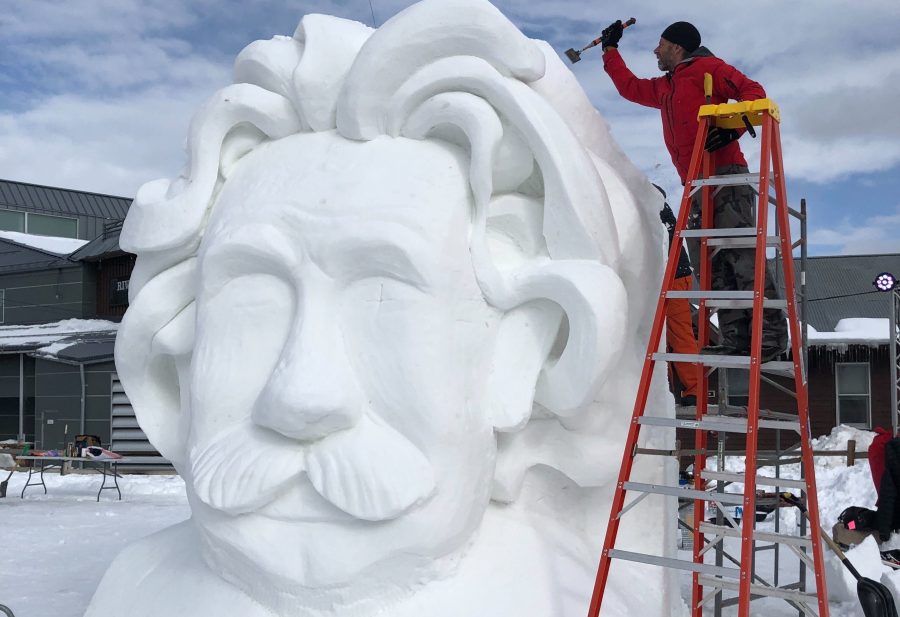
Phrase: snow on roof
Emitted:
{"points": [[48, 340], [51, 244], [855, 330]]}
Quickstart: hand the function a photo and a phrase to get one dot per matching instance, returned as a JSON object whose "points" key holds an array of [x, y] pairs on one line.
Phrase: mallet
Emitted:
{"points": [[574, 56]]}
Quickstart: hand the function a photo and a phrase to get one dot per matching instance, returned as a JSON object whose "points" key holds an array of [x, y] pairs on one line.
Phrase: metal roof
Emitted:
{"points": [[104, 245], [34, 197], [840, 287], [88, 352]]}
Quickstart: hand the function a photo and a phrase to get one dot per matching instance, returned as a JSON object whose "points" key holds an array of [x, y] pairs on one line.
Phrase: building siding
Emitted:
{"points": [[9, 397], [58, 398], [46, 295]]}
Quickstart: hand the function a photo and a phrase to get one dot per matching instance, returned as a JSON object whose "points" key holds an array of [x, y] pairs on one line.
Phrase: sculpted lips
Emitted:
{"points": [[370, 471]]}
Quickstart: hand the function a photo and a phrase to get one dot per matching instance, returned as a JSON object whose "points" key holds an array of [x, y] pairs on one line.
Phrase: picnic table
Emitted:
{"points": [[105, 466]]}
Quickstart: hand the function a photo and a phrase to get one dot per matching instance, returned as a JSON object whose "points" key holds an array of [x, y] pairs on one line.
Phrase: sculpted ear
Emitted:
{"points": [[554, 349], [153, 351]]}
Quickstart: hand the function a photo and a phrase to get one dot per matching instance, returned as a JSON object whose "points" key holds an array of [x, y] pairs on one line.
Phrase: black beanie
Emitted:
{"points": [[684, 34]]}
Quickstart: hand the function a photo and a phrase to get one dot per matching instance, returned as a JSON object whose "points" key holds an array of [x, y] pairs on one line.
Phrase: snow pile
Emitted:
{"points": [[838, 440], [57, 546], [838, 487], [50, 244]]}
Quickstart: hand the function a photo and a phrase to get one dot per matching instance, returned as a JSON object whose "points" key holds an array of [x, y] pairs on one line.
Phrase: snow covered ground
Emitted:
{"points": [[838, 486], [56, 547]]}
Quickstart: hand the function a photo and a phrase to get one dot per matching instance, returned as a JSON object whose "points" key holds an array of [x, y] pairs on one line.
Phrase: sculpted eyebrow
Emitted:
{"points": [[249, 251], [362, 257]]}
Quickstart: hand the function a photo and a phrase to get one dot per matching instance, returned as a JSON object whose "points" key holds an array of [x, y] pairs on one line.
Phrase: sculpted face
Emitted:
{"points": [[340, 355], [388, 367]]}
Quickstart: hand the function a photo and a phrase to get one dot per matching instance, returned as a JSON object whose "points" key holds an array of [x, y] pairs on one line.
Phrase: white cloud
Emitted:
{"points": [[108, 86], [110, 146], [856, 235]]}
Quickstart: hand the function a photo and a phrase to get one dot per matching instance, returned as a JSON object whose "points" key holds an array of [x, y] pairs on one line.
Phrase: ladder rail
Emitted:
{"points": [[700, 436], [752, 441], [800, 378]]}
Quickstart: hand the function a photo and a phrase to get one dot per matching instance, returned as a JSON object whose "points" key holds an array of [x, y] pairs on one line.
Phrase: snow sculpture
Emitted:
{"points": [[388, 325]]}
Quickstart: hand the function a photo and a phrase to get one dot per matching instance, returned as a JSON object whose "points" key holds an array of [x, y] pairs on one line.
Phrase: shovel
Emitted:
{"points": [[876, 599]]}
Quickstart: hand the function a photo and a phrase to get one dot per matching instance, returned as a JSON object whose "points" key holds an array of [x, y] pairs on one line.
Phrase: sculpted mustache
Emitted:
{"points": [[371, 471]]}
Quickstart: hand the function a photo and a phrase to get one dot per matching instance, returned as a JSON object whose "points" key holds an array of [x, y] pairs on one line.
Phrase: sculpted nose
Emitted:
{"points": [[312, 391]]}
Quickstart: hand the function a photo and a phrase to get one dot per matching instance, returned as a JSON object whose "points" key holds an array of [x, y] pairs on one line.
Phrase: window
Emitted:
{"points": [[45, 225], [12, 221], [39, 224], [738, 386], [852, 386]]}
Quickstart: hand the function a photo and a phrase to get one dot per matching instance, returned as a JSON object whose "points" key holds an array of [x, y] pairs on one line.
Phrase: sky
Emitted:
{"points": [[98, 94]]}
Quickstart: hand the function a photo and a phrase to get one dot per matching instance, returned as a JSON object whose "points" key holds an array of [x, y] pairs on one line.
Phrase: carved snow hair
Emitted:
{"points": [[461, 72]]}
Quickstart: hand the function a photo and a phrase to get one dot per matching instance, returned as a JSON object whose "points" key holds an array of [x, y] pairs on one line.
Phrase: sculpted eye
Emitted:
{"points": [[380, 288]]}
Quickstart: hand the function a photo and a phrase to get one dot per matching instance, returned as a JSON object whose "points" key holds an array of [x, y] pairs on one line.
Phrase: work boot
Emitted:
{"points": [[770, 352], [767, 354], [725, 349]]}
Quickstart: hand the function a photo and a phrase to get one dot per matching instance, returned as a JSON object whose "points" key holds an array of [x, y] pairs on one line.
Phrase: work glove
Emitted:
{"points": [[611, 35], [667, 216], [719, 138]]}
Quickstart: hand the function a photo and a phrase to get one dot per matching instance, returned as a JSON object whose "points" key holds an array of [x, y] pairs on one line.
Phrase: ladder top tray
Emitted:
{"points": [[728, 115]]}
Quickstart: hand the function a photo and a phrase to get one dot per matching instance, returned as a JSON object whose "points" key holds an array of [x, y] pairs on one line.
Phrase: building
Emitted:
{"points": [[60, 301], [48, 211]]}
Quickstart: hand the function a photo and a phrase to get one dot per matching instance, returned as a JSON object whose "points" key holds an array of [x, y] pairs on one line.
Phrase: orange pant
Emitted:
{"points": [[680, 334]]}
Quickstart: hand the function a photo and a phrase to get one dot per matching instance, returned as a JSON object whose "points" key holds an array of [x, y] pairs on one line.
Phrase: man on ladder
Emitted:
{"points": [[678, 95], [729, 280]]}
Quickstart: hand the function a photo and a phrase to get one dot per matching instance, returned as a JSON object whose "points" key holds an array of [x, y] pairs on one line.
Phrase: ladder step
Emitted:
{"points": [[678, 564], [737, 237], [684, 493], [725, 476], [726, 299], [745, 304], [728, 180], [737, 243], [781, 368], [760, 536], [728, 232], [761, 590], [707, 294], [722, 424]]}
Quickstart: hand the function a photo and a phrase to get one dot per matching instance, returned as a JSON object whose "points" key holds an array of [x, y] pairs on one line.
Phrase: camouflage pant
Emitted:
{"points": [[732, 269]]}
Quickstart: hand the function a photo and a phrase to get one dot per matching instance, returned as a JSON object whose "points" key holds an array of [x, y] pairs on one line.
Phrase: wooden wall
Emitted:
{"points": [[109, 271]]}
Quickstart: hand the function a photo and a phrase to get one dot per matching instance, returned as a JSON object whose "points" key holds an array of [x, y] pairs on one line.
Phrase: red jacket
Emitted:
{"points": [[679, 95], [876, 455]]}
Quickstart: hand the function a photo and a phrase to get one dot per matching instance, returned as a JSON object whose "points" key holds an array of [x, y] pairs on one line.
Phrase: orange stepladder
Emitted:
{"points": [[709, 579]]}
